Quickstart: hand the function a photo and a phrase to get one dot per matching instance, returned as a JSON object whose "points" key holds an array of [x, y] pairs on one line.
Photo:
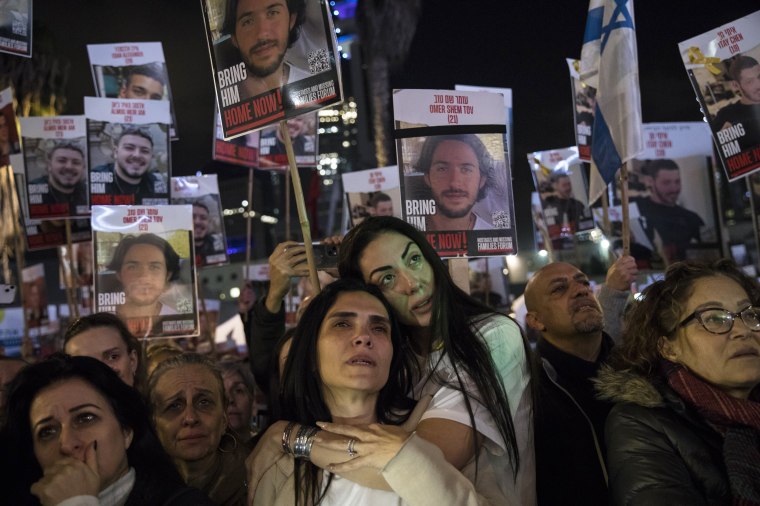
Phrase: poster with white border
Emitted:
{"points": [[372, 192]]}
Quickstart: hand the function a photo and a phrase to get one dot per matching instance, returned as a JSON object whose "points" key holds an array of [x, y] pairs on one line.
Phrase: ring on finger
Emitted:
{"points": [[351, 451]]}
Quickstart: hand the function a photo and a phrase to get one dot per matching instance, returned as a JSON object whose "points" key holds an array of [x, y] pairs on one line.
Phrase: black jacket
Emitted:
{"points": [[569, 424], [660, 451]]}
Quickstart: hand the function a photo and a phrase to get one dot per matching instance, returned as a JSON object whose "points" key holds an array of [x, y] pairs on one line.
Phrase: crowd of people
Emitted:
{"points": [[397, 387]]}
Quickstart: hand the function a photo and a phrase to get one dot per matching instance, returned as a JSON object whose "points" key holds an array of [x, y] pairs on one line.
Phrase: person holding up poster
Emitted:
{"points": [[129, 173], [263, 31], [144, 82], [64, 180], [145, 265], [742, 116], [457, 169]]}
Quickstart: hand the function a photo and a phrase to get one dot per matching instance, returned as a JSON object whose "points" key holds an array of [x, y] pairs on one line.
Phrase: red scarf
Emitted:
{"points": [[738, 421]]}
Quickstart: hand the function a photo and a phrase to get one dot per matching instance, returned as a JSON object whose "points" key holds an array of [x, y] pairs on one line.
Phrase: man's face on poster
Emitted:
{"points": [[65, 169], [262, 28], [142, 87], [749, 84], [384, 208], [454, 178], [200, 222], [132, 156], [143, 274], [666, 187], [563, 187]]}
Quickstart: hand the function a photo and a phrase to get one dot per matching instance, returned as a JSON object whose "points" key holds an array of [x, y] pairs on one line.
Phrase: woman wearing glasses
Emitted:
{"points": [[686, 429]]}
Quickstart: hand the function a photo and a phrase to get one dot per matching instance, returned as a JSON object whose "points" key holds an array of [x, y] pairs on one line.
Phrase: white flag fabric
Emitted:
{"points": [[616, 135]]}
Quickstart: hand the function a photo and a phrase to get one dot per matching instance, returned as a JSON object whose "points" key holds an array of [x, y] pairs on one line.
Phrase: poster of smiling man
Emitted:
{"points": [[145, 270], [128, 151]]}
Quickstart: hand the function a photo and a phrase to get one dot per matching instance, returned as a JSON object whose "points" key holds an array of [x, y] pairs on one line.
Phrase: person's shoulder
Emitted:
{"points": [[106, 167], [39, 180]]}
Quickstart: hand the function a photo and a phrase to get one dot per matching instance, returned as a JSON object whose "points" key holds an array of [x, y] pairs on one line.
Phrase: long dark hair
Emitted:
{"points": [[20, 467], [301, 398], [658, 313], [454, 323]]}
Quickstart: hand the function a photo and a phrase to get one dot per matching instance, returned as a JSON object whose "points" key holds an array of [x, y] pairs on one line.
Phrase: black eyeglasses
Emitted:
{"points": [[721, 321]]}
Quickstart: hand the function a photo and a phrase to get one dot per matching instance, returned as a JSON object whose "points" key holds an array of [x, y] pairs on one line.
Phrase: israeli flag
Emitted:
{"points": [[609, 62]]}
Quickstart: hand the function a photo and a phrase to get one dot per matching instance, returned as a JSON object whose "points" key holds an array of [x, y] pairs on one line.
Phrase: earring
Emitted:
{"points": [[234, 443]]}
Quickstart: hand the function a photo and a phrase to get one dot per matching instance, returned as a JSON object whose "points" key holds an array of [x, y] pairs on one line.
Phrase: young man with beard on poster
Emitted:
{"points": [[744, 73], [144, 82], [263, 31], [131, 168], [65, 177], [457, 169]]}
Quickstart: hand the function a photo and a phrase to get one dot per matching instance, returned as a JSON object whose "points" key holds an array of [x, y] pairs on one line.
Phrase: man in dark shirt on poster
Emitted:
{"points": [[208, 246], [744, 115], [65, 178], [562, 208], [130, 173], [661, 215]]}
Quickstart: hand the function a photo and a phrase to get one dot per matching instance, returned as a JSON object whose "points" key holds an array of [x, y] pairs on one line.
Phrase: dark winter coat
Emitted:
{"points": [[660, 451]]}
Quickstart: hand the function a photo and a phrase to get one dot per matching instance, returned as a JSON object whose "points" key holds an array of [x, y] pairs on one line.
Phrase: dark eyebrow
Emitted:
{"points": [[342, 314], [386, 267], [379, 319], [72, 410]]}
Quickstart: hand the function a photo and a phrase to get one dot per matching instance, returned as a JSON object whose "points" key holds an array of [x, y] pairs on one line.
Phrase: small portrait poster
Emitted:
{"points": [[372, 192], [672, 199], [128, 151], [243, 150], [10, 142], [134, 70], [584, 103], [454, 170], [561, 183], [262, 77], [724, 68], [55, 160], [303, 135], [47, 234], [16, 27], [145, 269], [202, 193]]}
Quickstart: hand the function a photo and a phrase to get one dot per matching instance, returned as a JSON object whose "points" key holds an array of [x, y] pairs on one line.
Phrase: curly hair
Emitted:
{"points": [[659, 311]]}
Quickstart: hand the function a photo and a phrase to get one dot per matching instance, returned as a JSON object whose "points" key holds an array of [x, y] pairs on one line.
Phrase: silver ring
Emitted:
{"points": [[351, 451]]}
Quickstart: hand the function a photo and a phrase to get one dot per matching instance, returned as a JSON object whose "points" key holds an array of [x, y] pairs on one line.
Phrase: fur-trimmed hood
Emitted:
{"points": [[626, 386]]}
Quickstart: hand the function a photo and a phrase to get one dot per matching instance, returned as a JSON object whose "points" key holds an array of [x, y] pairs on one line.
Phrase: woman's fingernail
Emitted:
{"points": [[321, 424]]}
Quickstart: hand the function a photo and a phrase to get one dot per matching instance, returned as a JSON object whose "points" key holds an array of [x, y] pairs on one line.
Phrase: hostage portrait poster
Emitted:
{"points": [[145, 268], [259, 82], [454, 170]]}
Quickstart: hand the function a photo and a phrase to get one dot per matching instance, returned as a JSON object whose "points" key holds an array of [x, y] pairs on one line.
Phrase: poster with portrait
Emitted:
{"points": [[145, 269], [262, 78], [34, 296], [456, 183], [12, 331], [507, 94], [724, 68], [563, 189], [202, 193], [584, 102], [673, 213], [303, 135], [135, 70], [128, 151], [10, 142], [372, 192], [16, 27], [243, 150], [46, 234], [55, 161]]}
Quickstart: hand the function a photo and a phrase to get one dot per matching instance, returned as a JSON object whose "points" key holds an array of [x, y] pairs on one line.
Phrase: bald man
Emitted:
{"points": [[569, 420]]}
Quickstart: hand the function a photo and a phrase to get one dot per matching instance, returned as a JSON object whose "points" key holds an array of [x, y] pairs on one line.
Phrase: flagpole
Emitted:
{"points": [[624, 205]]}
